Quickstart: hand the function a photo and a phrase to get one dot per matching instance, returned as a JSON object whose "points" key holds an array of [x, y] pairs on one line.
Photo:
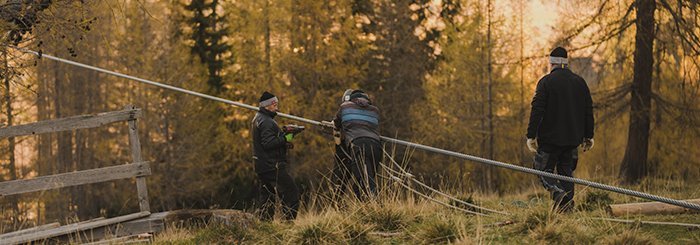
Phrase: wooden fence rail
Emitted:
{"points": [[139, 170], [72, 228], [71, 123], [74, 178]]}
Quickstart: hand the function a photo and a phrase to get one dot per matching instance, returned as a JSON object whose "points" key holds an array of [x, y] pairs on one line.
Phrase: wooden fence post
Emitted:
{"points": [[136, 157]]}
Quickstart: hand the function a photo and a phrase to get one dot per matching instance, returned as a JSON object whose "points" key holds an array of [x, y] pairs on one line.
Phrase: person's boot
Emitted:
{"points": [[558, 198], [567, 207]]}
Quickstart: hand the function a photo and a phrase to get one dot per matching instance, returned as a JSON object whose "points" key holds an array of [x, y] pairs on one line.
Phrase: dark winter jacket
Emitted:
{"points": [[357, 118], [269, 145], [562, 109]]}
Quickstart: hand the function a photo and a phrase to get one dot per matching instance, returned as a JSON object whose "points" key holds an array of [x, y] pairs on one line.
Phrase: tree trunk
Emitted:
{"points": [[268, 62], [44, 142], [11, 141], [634, 164], [521, 116], [489, 173], [64, 154], [489, 69]]}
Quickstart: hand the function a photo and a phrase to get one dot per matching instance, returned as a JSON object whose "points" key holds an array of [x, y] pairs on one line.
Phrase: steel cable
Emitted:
{"points": [[387, 139]]}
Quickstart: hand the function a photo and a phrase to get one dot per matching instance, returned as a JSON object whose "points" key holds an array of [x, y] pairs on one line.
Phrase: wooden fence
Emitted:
{"points": [[138, 169]]}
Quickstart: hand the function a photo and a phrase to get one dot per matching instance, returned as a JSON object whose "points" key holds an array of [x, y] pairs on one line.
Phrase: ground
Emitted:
{"points": [[398, 218]]}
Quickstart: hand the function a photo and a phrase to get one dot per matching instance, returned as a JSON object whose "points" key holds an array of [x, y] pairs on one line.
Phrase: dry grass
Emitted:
{"points": [[398, 217]]}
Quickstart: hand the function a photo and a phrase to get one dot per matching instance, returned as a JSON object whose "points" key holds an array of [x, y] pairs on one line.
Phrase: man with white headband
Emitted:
{"points": [[270, 156], [561, 119]]}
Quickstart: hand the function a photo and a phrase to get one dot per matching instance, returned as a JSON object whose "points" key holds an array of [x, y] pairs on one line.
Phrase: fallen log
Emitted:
{"points": [[648, 208]]}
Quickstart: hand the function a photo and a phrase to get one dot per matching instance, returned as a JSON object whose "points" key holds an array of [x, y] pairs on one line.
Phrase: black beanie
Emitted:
{"points": [[559, 52], [266, 96], [358, 94]]}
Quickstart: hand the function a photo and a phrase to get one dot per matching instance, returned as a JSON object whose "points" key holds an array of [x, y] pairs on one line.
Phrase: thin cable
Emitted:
{"points": [[395, 141], [390, 171], [398, 180], [165, 86], [546, 174], [410, 176]]}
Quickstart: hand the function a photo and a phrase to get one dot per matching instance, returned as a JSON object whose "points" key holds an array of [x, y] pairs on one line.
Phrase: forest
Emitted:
{"points": [[454, 74]]}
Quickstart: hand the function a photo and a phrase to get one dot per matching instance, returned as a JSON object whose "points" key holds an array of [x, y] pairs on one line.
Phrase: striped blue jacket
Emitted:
{"points": [[357, 118]]}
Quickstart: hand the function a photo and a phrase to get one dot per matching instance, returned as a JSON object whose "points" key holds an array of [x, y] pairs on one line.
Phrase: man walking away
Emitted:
{"points": [[358, 121], [560, 120], [270, 156]]}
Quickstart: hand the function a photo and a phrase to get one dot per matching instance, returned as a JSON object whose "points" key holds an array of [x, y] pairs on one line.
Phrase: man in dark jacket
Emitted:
{"points": [[358, 122], [270, 156], [560, 120]]}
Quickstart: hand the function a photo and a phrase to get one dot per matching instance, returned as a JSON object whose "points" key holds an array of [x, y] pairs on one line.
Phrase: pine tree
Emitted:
{"points": [[209, 28]]}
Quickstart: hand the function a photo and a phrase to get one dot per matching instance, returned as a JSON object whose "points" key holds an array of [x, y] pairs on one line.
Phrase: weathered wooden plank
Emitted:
{"points": [[158, 222], [70, 123], [141, 187], [90, 220], [74, 178], [29, 230], [72, 228], [142, 191], [143, 225], [648, 208]]}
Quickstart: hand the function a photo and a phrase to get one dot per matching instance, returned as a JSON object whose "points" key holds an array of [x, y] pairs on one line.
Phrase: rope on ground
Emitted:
{"points": [[405, 186], [387, 139], [412, 178], [394, 178]]}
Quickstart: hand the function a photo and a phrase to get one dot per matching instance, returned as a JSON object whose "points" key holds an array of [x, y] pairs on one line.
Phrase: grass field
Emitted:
{"points": [[397, 217]]}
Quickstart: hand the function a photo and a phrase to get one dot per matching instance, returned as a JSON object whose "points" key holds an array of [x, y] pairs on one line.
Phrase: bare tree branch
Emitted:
{"points": [[684, 31], [623, 22], [592, 20]]}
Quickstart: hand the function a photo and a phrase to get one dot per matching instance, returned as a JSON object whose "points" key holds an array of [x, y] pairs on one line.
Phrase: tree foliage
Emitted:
{"points": [[425, 64]]}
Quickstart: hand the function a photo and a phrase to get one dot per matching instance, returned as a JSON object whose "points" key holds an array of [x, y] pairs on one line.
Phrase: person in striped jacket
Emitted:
{"points": [[358, 122]]}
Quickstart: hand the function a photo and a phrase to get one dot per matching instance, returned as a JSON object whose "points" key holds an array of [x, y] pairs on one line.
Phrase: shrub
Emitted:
{"points": [[386, 219], [317, 234], [536, 218], [440, 231], [469, 200], [221, 234], [596, 200], [357, 234]]}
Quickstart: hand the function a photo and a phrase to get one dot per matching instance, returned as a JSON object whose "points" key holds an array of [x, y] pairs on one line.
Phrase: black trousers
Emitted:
{"points": [[563, 160], [278, 184], [342, 174], [366, 154]]}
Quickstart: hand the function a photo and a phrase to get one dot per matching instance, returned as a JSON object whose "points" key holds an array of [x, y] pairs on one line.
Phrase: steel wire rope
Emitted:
{"points": [[387, 139]]}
